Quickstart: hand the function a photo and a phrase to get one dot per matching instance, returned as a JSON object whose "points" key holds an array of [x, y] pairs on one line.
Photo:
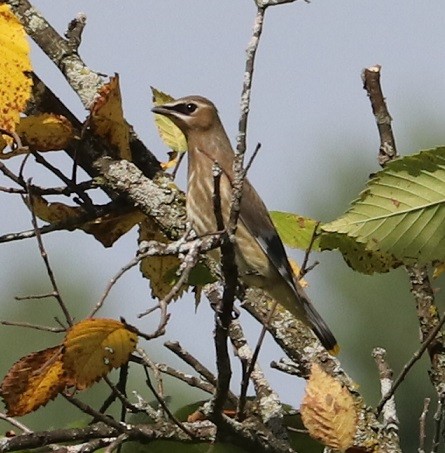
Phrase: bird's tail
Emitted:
{"points": [[320, 328], [294, 298]]}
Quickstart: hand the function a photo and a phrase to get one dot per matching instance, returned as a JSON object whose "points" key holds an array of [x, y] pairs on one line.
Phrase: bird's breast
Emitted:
{"points": [[200, 193], [251, 259]]}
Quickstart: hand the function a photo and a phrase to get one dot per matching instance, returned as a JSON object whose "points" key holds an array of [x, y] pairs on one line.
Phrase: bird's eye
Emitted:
{"points": [[191, 107]]}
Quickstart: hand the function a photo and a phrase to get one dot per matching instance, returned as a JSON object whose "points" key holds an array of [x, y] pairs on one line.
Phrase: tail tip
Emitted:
{"points": [[334, 350], [327, 339], [322, 331]]}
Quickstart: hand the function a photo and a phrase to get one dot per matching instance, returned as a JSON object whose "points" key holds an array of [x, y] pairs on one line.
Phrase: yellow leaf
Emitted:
{"points": [[55, 212], [158, 269], [110, 227], [107, 118], [173, 159], [93, 347], [170, 134], [328, 410], [3, 144], [438, 270], [107, 229], [33, 381], [15, 83], [44, 132], [296, 270]]}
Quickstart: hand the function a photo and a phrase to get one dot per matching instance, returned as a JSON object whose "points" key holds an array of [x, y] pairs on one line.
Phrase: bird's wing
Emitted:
{"points": [[254, 215]]}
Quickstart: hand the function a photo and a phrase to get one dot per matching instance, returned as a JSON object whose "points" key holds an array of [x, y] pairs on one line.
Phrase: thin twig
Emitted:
{"points": [[250, 162], [286, 366], [177, 349], [223, 314], [86, 185], [17, 179], [239, 172], [268, 402], [154, 248], [45, 258], [415, 357], [256, 352], [428, 318], [191, 381], [184, 355], [142, 405], [22, 169], [187, 264], [371, 83], [304, 267], [86, 409], [32, 326], [12, 190], [35, 296], [91, 446], [159, 398], [265, 3], [241, 139], [422, 425], [116, 443], [189, 261], [178, 163], [87, 203], [69, 224], [15, 423], [389, 411], [134, 262], [121, 396], [11, 237], [251, 51], [438, 419], [156, 373]]}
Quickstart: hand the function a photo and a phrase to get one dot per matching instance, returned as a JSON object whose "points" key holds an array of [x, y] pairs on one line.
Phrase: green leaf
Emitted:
{"points": [[170, 134], [402, 210], [200, 275], [294, 230], [357, 256], [297, 231]]}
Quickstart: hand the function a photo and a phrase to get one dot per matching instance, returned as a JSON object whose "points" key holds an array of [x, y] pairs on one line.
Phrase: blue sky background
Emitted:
{"points": [[319, 144]]}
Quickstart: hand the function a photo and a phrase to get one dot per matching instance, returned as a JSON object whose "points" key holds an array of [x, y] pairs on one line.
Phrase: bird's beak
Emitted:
{"points": [[162, 110]]}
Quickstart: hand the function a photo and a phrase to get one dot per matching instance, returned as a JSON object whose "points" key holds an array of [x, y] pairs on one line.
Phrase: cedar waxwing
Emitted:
{"points": [[260, 254]]}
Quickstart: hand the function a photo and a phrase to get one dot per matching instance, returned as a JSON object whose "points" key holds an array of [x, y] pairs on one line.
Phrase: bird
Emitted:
{"points": [[259, 252]]}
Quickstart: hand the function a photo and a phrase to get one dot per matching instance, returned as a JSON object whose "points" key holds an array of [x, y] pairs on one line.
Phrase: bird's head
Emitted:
{"points": [[190, 113]]}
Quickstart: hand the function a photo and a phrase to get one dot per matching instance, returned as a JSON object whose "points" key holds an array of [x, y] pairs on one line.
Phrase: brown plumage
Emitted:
{"points": [[260, 255]]}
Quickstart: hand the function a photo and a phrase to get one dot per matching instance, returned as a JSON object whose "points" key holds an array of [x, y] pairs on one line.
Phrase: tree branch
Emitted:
{"points": [[371, 83], [269, 406], [386, 382], [62, 53], [203, 431], [421, 288]]}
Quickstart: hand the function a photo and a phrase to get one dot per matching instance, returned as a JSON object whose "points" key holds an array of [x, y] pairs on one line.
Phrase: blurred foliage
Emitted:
{"points": [[370, 311]]}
